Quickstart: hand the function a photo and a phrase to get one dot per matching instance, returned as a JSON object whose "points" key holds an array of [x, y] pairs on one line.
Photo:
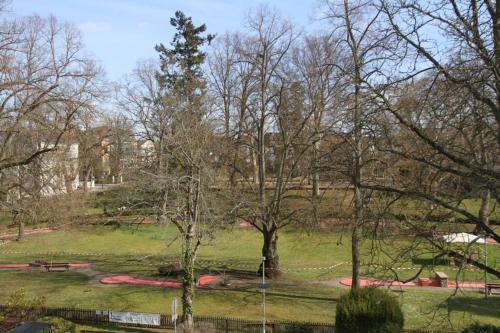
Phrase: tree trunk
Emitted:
{"points": [[68, 183], [496, 41], [87, 178], [188, 280], [485, 206], [357, 154], [358, 205], [270, 251], [356, 237], [315, 183], [315, 186], [255, 167], [232, 168], [20, 234]]}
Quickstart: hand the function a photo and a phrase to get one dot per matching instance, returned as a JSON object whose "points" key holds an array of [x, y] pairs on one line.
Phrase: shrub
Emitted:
{"points": [[170, 270], [368, 310], [297, 328], [20, 308], [478, 328], [60, 325]]}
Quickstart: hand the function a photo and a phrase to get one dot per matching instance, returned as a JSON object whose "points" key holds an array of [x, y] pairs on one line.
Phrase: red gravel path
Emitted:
{"points": [[27, 232], [423, 282], [128, 279]]}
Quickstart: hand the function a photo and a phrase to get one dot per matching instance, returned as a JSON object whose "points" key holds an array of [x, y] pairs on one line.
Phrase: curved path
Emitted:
{"points": [[424, 282], [131, 280], [11, 235]]}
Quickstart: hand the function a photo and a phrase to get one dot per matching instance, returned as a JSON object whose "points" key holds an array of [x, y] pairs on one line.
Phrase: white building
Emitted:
{"points": [[59, 170]]}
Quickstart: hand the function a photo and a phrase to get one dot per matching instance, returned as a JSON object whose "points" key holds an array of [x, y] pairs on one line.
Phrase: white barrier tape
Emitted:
{"points": [[418, 267], [174, 261], [210, 262]]}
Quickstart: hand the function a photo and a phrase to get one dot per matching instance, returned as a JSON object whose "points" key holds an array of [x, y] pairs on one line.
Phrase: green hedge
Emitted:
{"points": [[368, 310], [478, 328]]}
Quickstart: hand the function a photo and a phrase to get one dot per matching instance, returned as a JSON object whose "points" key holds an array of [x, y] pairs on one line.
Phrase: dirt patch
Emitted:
{"points": [[243, 223], [326, 224]]}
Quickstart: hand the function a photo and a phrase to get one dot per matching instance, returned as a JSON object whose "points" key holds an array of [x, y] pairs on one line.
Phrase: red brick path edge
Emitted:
{"points": [[131, 280]]}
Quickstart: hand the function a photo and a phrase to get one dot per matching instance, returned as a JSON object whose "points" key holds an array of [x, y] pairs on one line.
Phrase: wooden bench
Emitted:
{"points": [[490, 286], [50, 267], [56, 267], [443, 279]]}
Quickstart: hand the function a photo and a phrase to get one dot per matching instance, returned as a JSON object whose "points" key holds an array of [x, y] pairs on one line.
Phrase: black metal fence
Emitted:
{"points": [[205, 324]]}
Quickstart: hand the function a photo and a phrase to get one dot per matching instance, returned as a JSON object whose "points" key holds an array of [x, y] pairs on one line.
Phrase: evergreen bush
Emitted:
{"points": [[368, 310]]}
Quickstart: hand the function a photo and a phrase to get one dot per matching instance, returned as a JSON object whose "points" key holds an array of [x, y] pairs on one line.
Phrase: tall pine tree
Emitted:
{"points": [[181, 64], [185, 197]]}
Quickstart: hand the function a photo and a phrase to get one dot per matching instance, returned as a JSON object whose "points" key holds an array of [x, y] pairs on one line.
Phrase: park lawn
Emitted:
{"points": [[286, 301], [301, 293], [231, 247], [74, 289], [317, 255]]}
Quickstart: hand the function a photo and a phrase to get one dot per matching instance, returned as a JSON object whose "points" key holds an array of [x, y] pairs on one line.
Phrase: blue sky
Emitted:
{"points": [[121, 32]]}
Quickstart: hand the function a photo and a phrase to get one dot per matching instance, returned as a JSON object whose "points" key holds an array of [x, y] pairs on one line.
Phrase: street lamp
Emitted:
{"points": [[485, 265], [263, 288]]}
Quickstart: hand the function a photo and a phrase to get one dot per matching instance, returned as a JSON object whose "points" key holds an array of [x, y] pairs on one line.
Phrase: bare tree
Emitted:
{"points": [[355, 23], [271, 124], [317, 60], [140, 96], [440, 104], [171, 109], [46, 81]]}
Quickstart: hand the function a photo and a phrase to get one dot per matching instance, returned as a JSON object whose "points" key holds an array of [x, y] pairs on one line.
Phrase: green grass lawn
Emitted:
{"points": [[287, 301], [336, 202], [312, 260], [303, 292]]}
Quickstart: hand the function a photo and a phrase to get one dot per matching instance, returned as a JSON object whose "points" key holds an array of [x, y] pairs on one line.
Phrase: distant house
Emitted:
{"points": [[59, 170], [52, 173], [144, 149], [108, 155]]}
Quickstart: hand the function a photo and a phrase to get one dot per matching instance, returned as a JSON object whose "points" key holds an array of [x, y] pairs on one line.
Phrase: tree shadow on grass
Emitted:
{"points": [[43, 277], [253, 290], [476, 306]]}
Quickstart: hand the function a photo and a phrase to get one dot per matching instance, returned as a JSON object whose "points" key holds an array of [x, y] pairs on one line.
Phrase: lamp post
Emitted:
{"points": [[263, 289], [174, 314], [485, 265]]}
